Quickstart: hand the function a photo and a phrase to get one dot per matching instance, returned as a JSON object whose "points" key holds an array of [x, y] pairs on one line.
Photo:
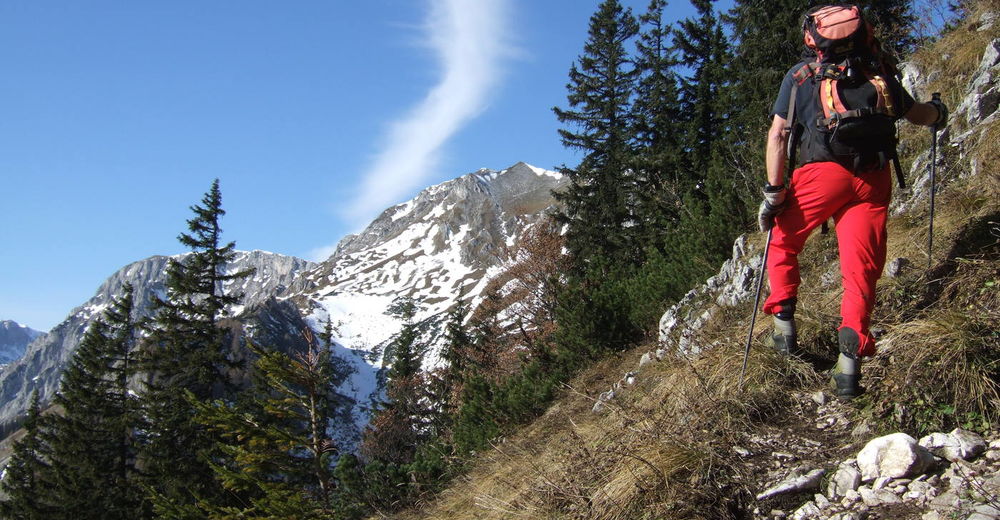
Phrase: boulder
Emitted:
{"points": [[847, 478], [957, 445], [895, 456]]}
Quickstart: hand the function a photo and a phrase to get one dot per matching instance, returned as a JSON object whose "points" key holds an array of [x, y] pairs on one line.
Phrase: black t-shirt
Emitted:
{"points": [[814, 141]]}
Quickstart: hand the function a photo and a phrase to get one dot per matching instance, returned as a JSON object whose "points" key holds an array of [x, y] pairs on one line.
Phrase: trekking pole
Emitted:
{"points": [[930, 230], [756, 305]]}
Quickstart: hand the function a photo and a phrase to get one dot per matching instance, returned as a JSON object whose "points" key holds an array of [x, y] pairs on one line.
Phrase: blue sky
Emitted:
{"points": [[315, 115]]}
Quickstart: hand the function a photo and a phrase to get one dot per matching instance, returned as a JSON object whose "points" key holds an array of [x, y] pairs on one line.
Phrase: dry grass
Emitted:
{"points": [[662, 450]]}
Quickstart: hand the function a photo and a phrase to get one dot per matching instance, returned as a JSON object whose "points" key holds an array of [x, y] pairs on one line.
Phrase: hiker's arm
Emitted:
{"points": [[777, 140], [924, 114]]}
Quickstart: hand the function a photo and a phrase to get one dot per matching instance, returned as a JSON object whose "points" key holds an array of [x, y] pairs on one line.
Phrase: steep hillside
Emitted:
{"points": [[665, 431]]}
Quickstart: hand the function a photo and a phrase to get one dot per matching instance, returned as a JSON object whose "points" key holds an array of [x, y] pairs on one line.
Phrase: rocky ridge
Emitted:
{"points": [[14, 338], [42, 364]]}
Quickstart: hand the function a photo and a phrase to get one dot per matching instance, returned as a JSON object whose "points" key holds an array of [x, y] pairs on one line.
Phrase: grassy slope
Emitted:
{"points": [[664, 448]]}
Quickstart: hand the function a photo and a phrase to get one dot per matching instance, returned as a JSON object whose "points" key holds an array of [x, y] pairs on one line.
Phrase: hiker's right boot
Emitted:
{"points": [[784, 339], [847, 372]]}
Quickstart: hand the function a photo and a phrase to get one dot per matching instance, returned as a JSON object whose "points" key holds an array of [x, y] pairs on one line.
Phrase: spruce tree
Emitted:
{"points": [[398, 426], [703, 50], [599, 202], [23, 482], [93, 443], [657, 120], [187, 351], [276, 453]]}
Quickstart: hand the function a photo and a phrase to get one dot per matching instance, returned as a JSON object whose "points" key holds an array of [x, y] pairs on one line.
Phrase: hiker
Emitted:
{"points": [[837, 109]]}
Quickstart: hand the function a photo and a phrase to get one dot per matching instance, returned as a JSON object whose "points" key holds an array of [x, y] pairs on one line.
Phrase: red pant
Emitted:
{"points": [[858, 205]]}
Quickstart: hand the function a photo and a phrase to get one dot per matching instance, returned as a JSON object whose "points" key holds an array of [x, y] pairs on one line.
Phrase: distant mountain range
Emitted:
{"points": [[439, 248], [14, 338]]}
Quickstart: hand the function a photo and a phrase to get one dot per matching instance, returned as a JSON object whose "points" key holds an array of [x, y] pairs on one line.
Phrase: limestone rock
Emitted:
{"points": [[957, 445], [895, 456], [794, 484], [847, 478], [808, 510]]}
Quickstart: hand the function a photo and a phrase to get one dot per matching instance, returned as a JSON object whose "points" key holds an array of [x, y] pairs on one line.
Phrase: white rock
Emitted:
{"points": [[957, 445], [821, 501], [895, 456], [808, 510], [646, 359], [847, 478], [880, 483], [988, 510], [794, 483], [819, 398], [932, 515], [886, 496], [868, 496]]}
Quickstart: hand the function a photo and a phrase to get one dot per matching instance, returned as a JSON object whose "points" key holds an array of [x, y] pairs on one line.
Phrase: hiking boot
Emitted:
{"points": [[846, 375], [784, 339], [845, 386]]}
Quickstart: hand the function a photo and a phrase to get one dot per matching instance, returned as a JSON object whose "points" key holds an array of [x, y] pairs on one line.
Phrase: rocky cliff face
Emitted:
{"points": [[14, 338], [42, 364]]}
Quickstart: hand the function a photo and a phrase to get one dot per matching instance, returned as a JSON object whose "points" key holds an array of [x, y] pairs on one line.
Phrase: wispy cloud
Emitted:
{"points": [[468, 37]]}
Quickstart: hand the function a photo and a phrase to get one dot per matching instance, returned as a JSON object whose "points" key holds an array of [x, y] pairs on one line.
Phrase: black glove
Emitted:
{"points": [[942, 119], [773, 203]]}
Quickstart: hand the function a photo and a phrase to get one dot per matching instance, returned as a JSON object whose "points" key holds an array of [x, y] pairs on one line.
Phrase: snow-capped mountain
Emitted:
{"points": [[14, 338], [42, 364], [439, 248]]}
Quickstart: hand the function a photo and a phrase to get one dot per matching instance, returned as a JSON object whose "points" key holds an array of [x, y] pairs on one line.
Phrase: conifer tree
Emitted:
{"points": [[703, 50], [599, 202], [657, 120], [23, 482], [276, 453], [187, 352], [397, 428], [93, 443]]}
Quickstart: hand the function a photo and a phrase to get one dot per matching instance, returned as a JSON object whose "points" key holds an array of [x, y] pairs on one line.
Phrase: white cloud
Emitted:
{"points": [[321, 253], [469, 39]]}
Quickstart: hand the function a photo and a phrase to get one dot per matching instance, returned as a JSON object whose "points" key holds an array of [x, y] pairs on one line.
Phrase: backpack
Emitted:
{"points": [[849, 63]]}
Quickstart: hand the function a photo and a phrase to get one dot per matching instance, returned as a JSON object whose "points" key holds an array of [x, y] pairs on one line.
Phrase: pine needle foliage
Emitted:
{"points": [[93, 444], [187, 351], [23, 482]]}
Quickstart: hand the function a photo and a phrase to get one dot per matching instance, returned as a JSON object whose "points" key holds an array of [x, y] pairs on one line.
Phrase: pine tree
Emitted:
{"points": [[93, 444], [276, 451], [187, 352], [599, 201], [703, 50], [398, 426], [23, 482], [657, 120]]}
